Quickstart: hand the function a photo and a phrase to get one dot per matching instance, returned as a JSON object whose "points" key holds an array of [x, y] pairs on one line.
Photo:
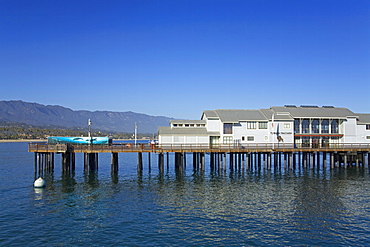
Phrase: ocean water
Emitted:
{"points": [[256, 208]]}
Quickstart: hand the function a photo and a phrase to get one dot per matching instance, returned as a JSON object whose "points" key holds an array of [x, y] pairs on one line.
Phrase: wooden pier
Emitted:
{"points": [[240, 157]]}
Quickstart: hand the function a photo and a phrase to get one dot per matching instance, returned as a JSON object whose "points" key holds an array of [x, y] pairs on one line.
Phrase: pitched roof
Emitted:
{"points": [[283, 113], [234, 116], [210, 114], [363, 118], [314, 112]]}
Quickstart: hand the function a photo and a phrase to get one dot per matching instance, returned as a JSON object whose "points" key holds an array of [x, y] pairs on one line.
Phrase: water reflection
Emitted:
{"points": [[91, 179], [254, 207], [68, 181], [38, 193]]}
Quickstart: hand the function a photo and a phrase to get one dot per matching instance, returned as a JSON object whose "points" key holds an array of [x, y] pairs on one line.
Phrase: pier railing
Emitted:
{"points": [[162, 148]]}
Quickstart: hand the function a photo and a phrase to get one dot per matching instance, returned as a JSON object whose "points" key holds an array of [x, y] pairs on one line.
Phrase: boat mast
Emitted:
{"points": [[135, 134]]}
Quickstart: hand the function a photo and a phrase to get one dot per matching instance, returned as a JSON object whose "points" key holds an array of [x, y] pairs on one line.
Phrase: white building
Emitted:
{"points": [[308, 126]]}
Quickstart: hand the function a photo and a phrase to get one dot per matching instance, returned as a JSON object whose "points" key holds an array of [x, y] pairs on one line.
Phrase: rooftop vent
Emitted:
{"points": [[309, 106], [293, 106], [327, 106]]}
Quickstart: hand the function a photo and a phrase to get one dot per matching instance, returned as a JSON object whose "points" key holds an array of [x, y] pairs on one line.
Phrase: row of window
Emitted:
{"points": [[228, 127], [253, 125], [316, 126], [189, 125], [229, 139], [324, 140]]}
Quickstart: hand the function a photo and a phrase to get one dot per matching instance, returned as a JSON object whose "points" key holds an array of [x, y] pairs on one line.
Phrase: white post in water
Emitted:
{"points": [[135, 133], [89, 124]]}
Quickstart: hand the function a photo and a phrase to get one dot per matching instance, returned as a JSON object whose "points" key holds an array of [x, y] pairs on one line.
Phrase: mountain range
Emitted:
{"points": [[53, 115]]}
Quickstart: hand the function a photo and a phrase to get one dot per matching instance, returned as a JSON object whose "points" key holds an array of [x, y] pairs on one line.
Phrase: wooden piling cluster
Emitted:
{"points": [[43, 162], [220, 158]]}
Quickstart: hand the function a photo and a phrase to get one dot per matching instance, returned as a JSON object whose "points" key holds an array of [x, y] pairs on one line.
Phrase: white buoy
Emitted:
{"points": [[39, 183]]}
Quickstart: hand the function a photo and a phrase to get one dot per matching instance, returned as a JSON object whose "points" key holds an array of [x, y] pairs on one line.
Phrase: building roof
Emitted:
{"points": [[185, 131], [314, 111], [234, 116], [363, 118], [283, 116], [210, 114]]}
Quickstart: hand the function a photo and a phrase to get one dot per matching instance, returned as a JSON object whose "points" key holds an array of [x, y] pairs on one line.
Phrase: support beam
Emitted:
{"points": [[161, 162], [114, 162], [140, 162]]}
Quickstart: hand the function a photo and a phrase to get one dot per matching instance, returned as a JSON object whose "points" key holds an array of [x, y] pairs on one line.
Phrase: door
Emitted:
{"points": [[214, 141]]}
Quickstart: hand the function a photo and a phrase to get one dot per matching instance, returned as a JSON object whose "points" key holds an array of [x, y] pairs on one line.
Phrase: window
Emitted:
{"points": [[367, 126], [305, 141], [243, 138], [368, 137], [228, 140], [325, 126], [334, 126], [262, 125], [286, 125], [305, 126], [315, 126], [297, 124], [250, 138], [251, 125], [228, 128]]}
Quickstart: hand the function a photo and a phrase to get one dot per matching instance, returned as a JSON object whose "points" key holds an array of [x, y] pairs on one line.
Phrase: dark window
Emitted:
{"points": [[315, 126], [334, 126], [368, 126], [250, 138], [305, 126], [228, 128], [297, 123], [325, 126]]}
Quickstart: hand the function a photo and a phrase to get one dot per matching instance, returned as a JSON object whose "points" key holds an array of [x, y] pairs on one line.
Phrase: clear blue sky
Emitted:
{"points": [[177, 58]]}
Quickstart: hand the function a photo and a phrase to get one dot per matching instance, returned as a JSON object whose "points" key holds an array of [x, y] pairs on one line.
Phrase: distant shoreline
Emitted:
{"points": [[45, 140], [23, 140]]}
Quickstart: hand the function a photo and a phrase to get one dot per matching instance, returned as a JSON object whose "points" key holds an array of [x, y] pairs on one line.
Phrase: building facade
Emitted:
{"points": [[304, 126]]}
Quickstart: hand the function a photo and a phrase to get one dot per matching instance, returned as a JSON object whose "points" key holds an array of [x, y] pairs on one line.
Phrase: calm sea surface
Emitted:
{"points": [[266, 208]]}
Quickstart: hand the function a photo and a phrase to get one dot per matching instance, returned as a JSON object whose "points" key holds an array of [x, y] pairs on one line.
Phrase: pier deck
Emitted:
{"points": [[145, 148], [242, 157]]}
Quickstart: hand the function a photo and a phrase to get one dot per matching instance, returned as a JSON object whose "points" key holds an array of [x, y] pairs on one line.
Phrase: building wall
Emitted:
{"points": [[283, 129], [182, 139], [214, 125], [349, 129], [244, 135], [363, 135]]}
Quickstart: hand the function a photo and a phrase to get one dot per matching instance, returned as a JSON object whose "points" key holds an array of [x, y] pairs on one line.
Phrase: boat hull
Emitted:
{"points": [[77, 140]]}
